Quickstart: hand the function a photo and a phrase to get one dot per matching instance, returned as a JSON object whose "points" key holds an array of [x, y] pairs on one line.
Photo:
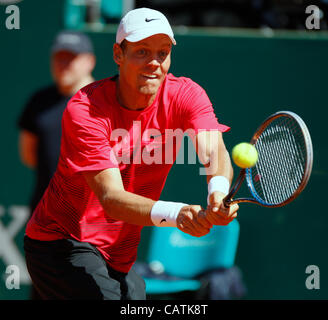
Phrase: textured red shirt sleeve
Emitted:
{"points": [[196, 111], [85, 142]]}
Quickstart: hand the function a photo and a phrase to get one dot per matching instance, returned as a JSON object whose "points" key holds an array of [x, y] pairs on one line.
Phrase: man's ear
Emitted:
{"points": [[117, 53]]}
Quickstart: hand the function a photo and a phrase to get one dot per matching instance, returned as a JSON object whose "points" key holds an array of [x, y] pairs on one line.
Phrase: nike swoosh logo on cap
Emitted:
{"points": [[148, 20]]}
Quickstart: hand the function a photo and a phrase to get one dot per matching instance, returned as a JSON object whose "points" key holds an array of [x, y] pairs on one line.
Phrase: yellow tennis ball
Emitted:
{"points": [[244, 155]]}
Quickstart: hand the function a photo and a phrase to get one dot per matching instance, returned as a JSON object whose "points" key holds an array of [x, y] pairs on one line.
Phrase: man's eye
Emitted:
{"points": [[141, 52], [163, 54]]}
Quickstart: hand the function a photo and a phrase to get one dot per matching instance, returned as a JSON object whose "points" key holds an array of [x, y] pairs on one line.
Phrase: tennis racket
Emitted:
{"points": [[284, 164]]}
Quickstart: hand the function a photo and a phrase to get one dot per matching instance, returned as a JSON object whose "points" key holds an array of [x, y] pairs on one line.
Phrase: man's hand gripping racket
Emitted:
{"points": [[284, 163]]}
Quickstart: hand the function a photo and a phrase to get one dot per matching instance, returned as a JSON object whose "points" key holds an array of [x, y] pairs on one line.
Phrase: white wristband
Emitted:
{"points": [[218, 183], [165, 213]]}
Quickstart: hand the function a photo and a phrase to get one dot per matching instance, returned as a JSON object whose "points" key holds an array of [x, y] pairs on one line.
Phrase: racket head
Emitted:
{"points": [[285, 160]]}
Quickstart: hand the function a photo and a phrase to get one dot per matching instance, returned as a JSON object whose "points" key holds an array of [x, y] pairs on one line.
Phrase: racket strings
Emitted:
{"points": [[282, 161]]}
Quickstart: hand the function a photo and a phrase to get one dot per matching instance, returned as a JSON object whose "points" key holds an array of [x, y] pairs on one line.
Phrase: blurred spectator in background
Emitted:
{"points": [[273, 14], [72, 62]]}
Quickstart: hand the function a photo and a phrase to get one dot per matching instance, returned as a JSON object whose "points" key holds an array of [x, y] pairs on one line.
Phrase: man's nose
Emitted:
{"points": [[155, 61]]}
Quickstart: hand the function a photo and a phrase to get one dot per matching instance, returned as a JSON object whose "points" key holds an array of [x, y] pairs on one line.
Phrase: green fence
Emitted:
{"points": [[248, 75]]}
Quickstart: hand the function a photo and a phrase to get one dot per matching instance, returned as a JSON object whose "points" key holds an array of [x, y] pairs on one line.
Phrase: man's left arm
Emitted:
{"points": [[214, 156]]}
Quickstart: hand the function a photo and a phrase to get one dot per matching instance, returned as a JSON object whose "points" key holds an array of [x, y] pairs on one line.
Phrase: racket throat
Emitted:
{"points": [[227, 201]]}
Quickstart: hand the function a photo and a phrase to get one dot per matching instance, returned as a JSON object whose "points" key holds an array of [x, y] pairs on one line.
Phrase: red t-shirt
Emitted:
{"points": [[97, 134]]}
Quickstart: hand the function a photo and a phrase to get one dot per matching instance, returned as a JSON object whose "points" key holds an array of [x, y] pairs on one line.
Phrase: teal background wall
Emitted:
{"points": [[248, 75]]}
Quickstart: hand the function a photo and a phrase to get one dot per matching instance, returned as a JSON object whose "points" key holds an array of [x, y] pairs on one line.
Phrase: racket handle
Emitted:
{"points": [[226, 202]]}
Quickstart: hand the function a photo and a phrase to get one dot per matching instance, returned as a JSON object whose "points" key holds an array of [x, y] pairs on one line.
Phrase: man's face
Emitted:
{"points": [[145, 63], [69, 68]]}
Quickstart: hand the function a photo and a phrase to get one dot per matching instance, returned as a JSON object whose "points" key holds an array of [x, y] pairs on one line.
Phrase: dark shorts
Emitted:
{"points": [[69, 269]]}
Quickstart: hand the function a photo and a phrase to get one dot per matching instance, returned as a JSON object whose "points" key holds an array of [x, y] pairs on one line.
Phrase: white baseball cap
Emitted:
{"points": [[142, 23]]}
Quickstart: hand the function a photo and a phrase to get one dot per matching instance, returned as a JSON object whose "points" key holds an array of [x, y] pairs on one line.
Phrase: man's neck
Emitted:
{"points": [[132, 100]]}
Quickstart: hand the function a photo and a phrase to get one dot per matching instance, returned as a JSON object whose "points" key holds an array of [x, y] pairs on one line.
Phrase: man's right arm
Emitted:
{"points": [[118, 203], [135, 209]]}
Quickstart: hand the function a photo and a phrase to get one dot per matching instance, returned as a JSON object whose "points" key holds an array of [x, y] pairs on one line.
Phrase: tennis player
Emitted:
{"points": [[82, 239]]}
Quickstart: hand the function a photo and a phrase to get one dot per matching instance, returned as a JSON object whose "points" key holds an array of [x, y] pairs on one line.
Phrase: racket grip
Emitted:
{"points": [[226, 202]]}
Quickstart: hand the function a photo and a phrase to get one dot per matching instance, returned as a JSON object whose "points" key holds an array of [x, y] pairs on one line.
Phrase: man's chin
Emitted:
{"points": [[149, 89]]}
